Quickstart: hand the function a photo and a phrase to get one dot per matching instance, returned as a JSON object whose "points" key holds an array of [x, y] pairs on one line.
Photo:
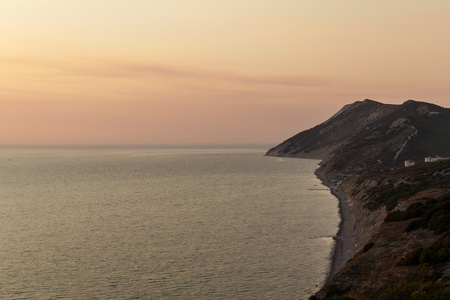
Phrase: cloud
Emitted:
{"points": [[79, 67], [143, 70]]}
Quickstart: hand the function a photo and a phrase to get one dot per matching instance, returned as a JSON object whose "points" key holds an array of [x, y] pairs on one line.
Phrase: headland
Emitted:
{"points": [[394, 236]]}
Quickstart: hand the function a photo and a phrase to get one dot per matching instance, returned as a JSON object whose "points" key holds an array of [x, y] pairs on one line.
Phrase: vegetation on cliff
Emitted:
{"points": [[408, 254], [395, 185]]}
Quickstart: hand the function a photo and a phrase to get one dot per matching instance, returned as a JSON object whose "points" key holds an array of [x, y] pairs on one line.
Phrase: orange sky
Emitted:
{"points": [[201, 71]]}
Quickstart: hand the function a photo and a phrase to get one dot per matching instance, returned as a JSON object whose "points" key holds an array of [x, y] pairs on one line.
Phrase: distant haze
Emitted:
{"points": [[209, 72]]}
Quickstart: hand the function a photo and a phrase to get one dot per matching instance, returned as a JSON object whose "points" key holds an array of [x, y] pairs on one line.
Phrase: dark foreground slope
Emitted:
{"points": [[401, 235], [396, 242]]}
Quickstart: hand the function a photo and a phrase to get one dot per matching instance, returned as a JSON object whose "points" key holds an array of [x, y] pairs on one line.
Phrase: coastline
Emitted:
{"points": [[345, 239], [345, 245]]}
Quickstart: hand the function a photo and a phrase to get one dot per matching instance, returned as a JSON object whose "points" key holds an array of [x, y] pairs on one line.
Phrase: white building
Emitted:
{"points": [[409, 163], [435, 158]]}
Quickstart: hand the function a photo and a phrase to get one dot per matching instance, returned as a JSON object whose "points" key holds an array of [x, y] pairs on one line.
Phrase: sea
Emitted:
{"points": [[162, 223]]}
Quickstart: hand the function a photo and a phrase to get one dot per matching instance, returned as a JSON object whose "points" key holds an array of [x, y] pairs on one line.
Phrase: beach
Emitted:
{"points": [[345, 239], [345, 245]]}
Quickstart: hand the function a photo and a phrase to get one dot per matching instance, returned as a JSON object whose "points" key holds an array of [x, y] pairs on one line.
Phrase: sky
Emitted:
{"points": [[160, 72]]}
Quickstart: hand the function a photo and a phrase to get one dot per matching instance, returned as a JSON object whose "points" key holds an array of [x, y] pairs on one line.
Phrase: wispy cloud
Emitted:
{"points": [[103, 68], [143, 70]]}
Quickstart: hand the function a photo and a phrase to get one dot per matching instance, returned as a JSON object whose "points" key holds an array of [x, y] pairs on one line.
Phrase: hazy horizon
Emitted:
{"points": [[209, 72], [143, 146]]}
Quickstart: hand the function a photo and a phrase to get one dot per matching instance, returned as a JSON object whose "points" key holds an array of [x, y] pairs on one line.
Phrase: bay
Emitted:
{"points": [[156, 223]]}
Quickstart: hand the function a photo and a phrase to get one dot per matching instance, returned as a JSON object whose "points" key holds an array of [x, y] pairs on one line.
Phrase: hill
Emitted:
{"points": [[394, 238], [369, 134]]}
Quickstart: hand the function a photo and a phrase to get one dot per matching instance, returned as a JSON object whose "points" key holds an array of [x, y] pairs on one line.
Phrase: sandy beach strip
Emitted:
{"points": [[345, 239]]}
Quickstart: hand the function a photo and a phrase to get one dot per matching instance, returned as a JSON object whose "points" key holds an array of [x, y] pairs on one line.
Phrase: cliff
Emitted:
{"points": [[394, 239]]}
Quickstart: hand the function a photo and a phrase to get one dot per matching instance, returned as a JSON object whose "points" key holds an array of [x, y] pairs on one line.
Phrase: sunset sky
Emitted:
{"points": [[210, 71]]}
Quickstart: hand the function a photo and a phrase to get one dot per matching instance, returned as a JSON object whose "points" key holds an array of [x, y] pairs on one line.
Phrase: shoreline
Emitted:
{"points": [[345, 246], [345, 239]]}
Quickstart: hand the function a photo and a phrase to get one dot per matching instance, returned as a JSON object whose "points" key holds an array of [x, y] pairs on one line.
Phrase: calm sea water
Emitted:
{"points": [[162, 224]]}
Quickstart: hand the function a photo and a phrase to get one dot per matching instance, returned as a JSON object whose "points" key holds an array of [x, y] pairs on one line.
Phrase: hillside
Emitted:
{"points": [[369, 134], [394, 239], [400, 235]]}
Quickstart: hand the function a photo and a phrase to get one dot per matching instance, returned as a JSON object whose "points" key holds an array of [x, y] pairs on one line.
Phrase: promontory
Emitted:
{"points": [[389, 167]]}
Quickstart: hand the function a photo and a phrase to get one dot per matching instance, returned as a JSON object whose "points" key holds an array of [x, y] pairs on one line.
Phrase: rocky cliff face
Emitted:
{"points": [[363, 148]]}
